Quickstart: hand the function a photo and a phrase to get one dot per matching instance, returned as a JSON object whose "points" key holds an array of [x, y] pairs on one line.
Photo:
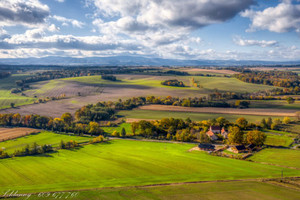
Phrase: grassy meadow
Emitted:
{"points": [[125, 163], [279, 138], [147, 82], [6, 97], [201, 191], [157, 115], [283, 157], [276, 104], [44, 137]]}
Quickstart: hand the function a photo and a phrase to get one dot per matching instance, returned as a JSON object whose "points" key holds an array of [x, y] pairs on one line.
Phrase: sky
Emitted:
{"points": [[174, 29]]}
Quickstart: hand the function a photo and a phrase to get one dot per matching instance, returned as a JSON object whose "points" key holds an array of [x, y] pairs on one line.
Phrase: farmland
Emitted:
{"points": [[125, 163], [6, 98], [8, 134], [44, 137], [282, 157], [278, 139], [91, 89], [157, 114], [202, 191]]}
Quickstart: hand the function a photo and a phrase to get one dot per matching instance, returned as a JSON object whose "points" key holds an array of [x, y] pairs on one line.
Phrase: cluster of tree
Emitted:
{"points": [[68, 145], [4, 74], [174, 83], [98, 139], [109, 77], [96, 112], [34, 149], [175, 101], [274, 124], [118, 134], [64, 124], [240, 132], [237, 136], [15, 90], [276, 78]]}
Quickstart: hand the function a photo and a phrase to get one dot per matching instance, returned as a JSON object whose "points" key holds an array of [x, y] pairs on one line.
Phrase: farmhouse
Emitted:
{"points": [[206, 147], [213, 130]]}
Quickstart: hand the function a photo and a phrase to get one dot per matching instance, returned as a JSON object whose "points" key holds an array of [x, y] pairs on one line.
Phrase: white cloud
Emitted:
{"points": [[263, 43], [60, 1], [24, 12], [66, 21], [284, 17]]}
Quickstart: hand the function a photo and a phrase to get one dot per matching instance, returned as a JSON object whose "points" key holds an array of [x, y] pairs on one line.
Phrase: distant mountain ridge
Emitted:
{"points": [[133, 61]]}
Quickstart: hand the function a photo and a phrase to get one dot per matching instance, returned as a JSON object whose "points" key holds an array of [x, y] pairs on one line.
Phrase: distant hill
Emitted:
{"points": [[133, 61]]}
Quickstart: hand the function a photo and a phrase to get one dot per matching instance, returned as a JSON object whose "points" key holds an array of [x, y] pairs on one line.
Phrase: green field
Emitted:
{"points": [[208, 83], [125, 163], [279, 139], [276, 104], [6, 98], [45, 137], [157, 115], [283, 157], [201, 191], [126, 126]]}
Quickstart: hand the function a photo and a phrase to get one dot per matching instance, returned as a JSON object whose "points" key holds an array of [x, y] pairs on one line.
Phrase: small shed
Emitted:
{"points": [[238, 149], [206, 147]]}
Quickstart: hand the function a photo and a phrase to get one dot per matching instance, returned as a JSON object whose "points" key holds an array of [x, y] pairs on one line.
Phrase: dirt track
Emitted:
{"points": [[249, 111]]}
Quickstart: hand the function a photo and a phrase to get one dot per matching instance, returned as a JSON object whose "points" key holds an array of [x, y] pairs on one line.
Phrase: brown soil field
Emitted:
{"points": [[229, 72], [109, 93], [68, 88], [12, 133], [249, 111]]}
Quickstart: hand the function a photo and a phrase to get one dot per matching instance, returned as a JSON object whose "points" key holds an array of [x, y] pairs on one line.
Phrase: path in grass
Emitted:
{"points": [[125, 163], [45, 137], [201, 191], [283, 157]]}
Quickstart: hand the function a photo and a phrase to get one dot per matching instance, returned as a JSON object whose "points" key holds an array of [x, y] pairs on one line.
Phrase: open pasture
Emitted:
{"points": [[274, 104], [137, 114], [12, 133], [6, 97], [44, 137], [276, 139], [234, 111], [125, 163], [246, 190], [282, 157]]}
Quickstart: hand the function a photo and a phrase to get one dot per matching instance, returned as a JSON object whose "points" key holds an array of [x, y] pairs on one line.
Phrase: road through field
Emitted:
{"points": [[249, 111]]}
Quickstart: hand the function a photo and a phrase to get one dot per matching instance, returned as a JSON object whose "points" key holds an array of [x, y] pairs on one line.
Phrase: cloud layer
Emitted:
{"points": [[25, 12], [284, 17]]}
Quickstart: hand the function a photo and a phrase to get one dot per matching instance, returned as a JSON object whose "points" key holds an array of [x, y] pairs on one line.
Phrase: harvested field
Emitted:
{"points": [[56, 88], [249, 111], [12, 133]]}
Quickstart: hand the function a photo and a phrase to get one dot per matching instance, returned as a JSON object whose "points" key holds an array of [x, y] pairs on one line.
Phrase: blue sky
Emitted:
{"points": [[190, 29]]}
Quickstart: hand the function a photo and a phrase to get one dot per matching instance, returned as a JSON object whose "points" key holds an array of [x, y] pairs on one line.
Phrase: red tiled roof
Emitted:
{"points": [[210, 133]]}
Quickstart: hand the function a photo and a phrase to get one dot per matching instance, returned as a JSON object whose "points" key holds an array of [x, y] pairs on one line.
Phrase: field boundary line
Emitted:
{"points": [[265, 180]]}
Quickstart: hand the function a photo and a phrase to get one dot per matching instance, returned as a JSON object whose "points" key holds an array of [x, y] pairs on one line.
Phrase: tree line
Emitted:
{"points": [[275, 78], [240, 132]]}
